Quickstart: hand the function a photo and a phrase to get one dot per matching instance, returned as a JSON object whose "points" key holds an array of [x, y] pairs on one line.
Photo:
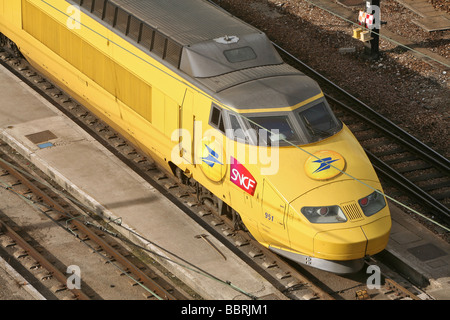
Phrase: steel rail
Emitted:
{"points": [[390, 173], [389, 283], [419, 148], [61, 277], [400, 136], [140, 167], [426, 150], [81, 227], [395, 177]]}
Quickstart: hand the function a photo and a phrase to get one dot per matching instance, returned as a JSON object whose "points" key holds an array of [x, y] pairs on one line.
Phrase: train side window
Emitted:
{"points": [[121, 21], [173, 53], [134, 28], [78, 2], [216, 118], [87, 4], [146, 36], [221, 125], [110, 13], [159, 44], [237, 133], [99, 6]]}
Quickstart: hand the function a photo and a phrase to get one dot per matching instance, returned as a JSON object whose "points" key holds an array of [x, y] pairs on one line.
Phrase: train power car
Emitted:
{"points": [[209, 98]]}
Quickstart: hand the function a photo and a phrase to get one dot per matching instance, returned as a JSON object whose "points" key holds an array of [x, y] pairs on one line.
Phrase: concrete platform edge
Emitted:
{"points": [[395, 261]]}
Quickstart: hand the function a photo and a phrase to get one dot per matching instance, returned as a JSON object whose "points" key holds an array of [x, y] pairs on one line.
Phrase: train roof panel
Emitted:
{"points": [[231, 79], [186, 21], [232, 59], [227, 54], [270, 94], [195, 36]]}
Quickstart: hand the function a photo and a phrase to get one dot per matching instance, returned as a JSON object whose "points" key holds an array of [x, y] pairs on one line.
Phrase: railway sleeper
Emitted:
{"points": [[425, 177], [440, 195], [364, 136], [255, 252], [8, 242], [21, 253], [45, 275], [420, 166], [407, 157], [31, 264], [389, 151], [435, 186], [355, 127], [58, 288]]}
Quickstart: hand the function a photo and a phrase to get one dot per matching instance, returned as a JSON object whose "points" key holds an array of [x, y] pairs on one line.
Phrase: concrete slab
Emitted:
{"points": [[100, 180], [432, 19], [346, 12], [352, 3], [423, 256], [434, 23]]}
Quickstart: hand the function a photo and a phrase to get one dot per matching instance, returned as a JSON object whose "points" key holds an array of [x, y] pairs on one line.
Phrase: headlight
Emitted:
{"points": [[331, 214], [371, 204]]}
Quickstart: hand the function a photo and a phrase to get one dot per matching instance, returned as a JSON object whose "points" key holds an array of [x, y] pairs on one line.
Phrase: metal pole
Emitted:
{"points": [[373, 7]]}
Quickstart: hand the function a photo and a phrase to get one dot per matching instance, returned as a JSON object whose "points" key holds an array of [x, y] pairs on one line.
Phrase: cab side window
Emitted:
{"points": [[216, 118]]}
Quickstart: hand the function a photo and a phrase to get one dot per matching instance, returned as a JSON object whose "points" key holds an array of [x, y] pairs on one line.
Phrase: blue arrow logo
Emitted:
{"points": [[212, 157], [324, 164]]}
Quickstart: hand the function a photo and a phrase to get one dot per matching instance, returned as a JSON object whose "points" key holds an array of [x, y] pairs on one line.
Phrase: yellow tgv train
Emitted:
{"points": [[209, 98]]}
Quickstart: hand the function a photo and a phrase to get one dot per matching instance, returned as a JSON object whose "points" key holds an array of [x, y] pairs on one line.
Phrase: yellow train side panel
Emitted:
{"points": [[103, 71], [171, 116], [10, 13], [158, 114], [146, 102], [135, 94]]}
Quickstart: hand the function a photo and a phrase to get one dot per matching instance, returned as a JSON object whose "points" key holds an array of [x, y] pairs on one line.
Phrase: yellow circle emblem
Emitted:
{"points": [[212, 159], [323, 165]]}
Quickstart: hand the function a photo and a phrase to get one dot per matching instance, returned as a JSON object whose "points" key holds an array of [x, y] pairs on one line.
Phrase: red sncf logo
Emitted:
{"points": [[241, 177]]}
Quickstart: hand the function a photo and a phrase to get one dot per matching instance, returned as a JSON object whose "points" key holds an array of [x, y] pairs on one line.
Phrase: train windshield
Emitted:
{"points": [[278, 128], [265, 129], [319, 122], [301, 126]]}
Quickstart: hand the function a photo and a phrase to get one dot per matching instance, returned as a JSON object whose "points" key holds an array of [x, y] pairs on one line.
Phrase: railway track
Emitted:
{"points": [[274, 269], [284, 276], [10, 238], [80, 228], [420, 175], [416, 175]]}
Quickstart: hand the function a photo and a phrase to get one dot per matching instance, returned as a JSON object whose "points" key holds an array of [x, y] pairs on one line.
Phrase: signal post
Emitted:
{"points": [[373, 8], [370, 28]]}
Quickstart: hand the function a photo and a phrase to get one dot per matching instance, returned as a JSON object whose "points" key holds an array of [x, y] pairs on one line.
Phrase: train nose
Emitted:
{"points": [[377, 234], [340, 244], [353, 243]]}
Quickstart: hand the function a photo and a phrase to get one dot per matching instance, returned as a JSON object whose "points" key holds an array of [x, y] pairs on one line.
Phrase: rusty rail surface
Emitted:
{"points": [[32, 252], [141, 277]]}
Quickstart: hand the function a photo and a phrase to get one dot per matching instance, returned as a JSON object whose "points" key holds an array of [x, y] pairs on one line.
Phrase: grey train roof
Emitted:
{"points": [[222, 53], [186, 21]]}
